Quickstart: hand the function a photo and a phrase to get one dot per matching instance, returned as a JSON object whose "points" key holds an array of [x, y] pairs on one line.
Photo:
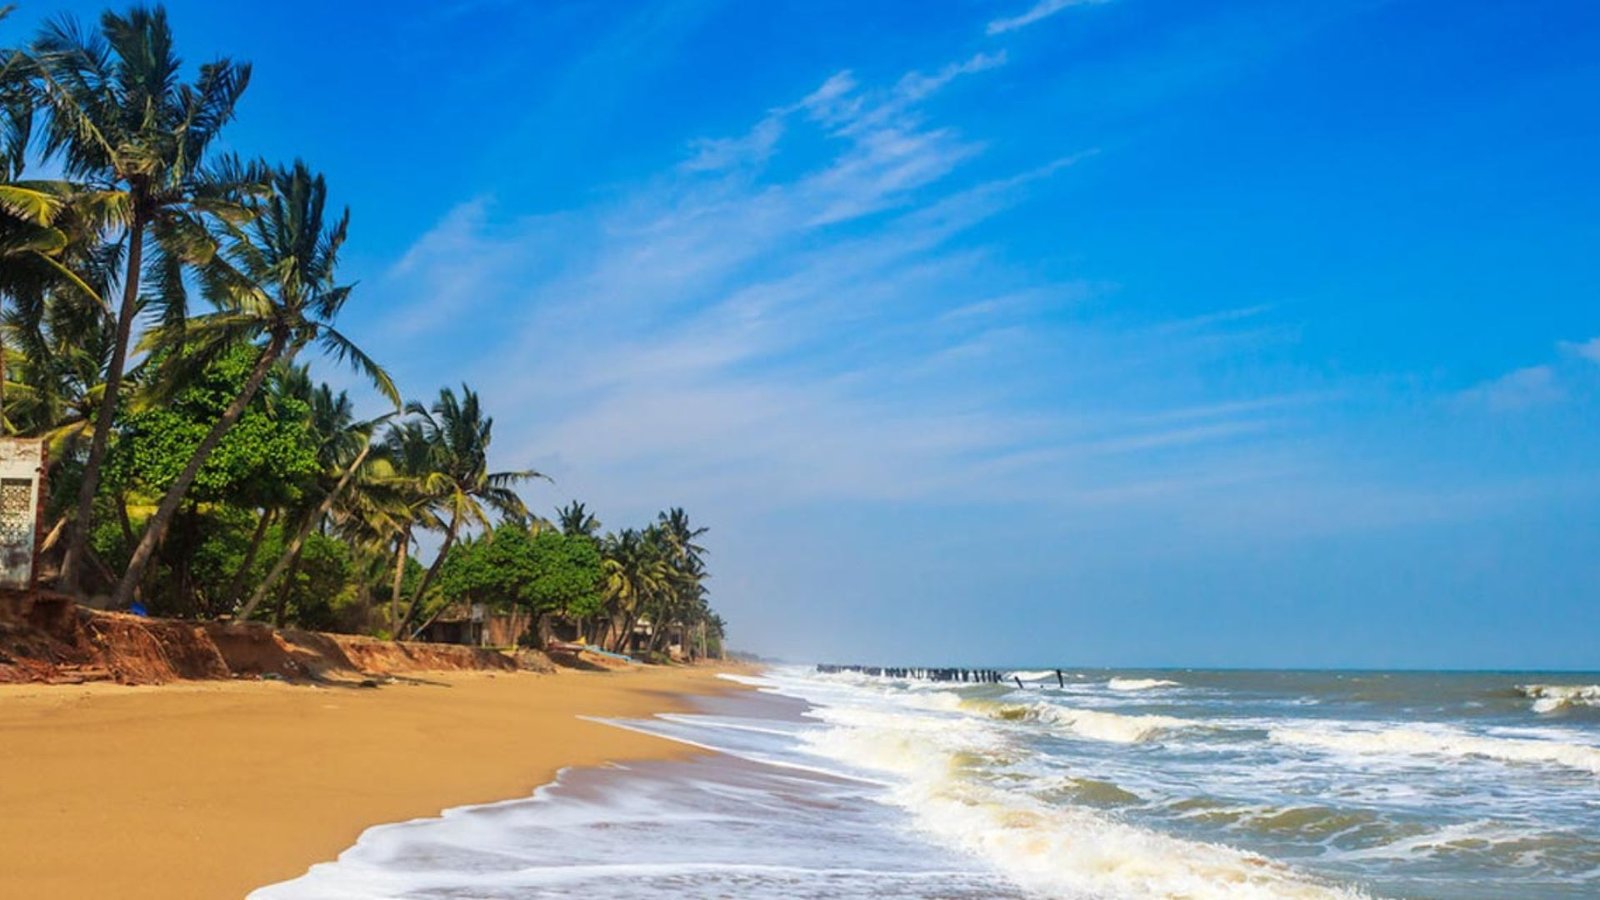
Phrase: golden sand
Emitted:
{"points": [[211, 789]]}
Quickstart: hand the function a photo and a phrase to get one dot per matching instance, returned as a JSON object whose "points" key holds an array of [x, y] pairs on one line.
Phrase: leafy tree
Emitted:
{"points": [[264, 460], [541, 572], [274, 283]]}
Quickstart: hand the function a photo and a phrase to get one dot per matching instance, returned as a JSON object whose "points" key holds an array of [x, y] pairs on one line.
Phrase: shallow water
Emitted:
{"points": [[1117, 784]]}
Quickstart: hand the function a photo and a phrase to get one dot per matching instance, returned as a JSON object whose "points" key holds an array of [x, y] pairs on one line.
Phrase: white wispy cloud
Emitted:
{"points": [[1519, 389], [1044, 9], [730, 334], [1544, 384], [1588, 350], [744, 336]]}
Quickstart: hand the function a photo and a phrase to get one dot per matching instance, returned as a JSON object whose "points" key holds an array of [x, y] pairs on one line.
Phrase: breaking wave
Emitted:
{"points": [[1443, 742], [1139, 684], [1549, 698], [1048, 848], [1120, 728]]}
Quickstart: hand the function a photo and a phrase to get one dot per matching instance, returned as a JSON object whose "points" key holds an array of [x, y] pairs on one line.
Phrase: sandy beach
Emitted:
{"points": [[211, 789]]}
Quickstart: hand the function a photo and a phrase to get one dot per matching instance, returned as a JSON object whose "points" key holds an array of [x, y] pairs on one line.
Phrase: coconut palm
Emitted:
{"points": [[52, 264], [455, 435], [680, 535], [118, 118], [398, 503], [57, 350], [636, 573], [343, 447], [274, 285], [574, 520]]}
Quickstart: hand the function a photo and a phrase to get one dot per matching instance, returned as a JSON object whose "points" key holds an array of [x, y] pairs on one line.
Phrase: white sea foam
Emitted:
{"points": [[887, 790], [1116, 727], [1139, 684], [1052, 849], [1549, 698], [1096, 725], [1440, 741], [1479, 836], [1032, 675]]}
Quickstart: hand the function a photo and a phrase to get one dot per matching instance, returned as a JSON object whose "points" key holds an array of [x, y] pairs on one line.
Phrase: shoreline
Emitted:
{"points": [[214, 789]]}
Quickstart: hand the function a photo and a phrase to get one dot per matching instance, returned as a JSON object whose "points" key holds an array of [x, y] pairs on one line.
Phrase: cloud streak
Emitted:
{"points": [[1037, 13], [837, 332]]}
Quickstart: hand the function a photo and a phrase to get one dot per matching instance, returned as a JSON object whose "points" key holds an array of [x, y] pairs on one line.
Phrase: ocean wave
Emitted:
{"points": [[1048, 848], [1139, 684], [1116, 727], [1444, 742], [1549, 698], [1119, 728], [1032, 675]]}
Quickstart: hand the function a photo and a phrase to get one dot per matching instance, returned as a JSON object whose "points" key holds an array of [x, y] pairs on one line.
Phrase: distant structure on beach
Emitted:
{"points": [[22, 463]]}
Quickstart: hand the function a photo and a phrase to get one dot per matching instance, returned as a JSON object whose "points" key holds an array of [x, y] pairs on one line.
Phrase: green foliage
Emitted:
{"points": [[322, 587], [547, 572], [100, 264], [266, 459], [203, 551]]}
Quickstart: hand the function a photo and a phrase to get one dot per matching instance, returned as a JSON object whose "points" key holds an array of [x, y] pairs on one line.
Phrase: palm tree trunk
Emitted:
{"points": [[288, 585], [401, 555], [156, 528], [293, 550], [123, 522], [108, 406], [236, 584], [427, 577], [629, 622], [439, 612], [54, 535]]}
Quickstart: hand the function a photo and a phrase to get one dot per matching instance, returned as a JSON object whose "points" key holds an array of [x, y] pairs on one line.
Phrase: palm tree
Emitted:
{"points": [[120, 120], [400, 503], [681, 595], [457, 480], [680, 535], [344, 445], [273, 283], [57, 345], [575, 521], [636, 572]]}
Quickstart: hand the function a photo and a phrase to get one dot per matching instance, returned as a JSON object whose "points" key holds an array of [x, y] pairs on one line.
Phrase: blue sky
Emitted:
{"points": [[1142, 332]]}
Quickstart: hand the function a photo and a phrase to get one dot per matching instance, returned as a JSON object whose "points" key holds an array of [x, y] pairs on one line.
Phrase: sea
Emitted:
{"points": [[1079, 784]]}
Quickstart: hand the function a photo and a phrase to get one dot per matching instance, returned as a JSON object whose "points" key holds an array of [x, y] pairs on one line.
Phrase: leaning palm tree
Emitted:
{"points": [[273, 285], [397, 503], [458, 481], [343, 447], [119, 119]]}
